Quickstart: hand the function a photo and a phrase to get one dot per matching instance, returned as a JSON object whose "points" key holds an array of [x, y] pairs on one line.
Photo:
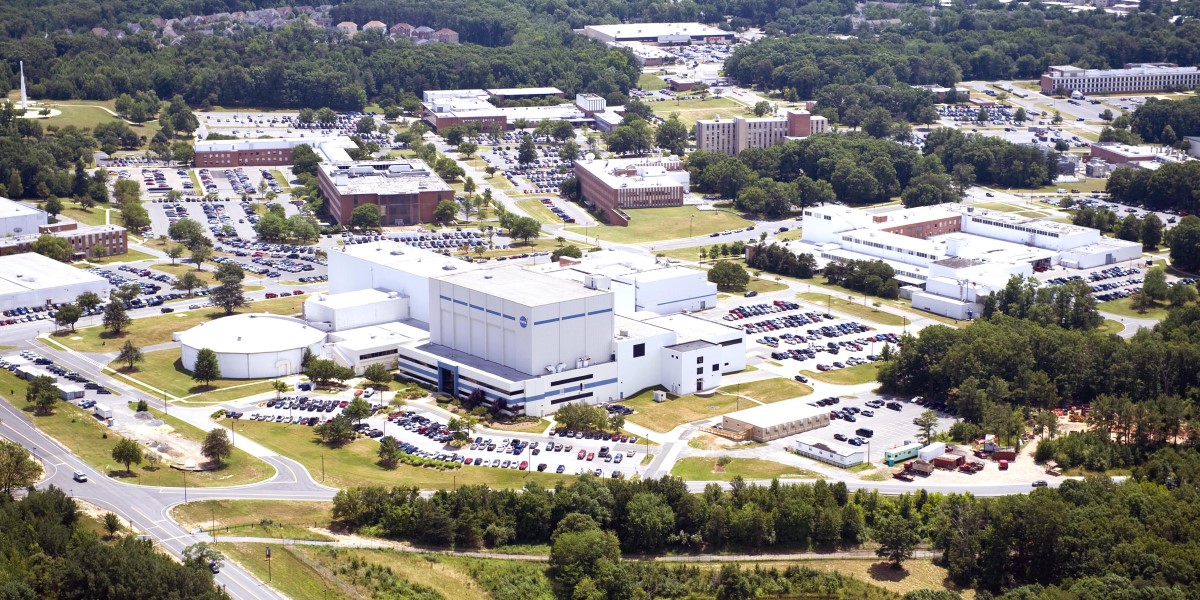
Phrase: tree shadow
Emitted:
{"points": [[121, 474], [108, 335], [885, 571]]}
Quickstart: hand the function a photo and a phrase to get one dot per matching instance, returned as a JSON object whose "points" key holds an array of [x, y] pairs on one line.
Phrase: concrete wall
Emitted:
{"points": [[354, 274], [688, 291], [690, 371], [639, 373]]}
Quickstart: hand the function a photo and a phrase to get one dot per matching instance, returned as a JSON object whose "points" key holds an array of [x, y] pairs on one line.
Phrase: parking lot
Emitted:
{"points": [[889, 419]]}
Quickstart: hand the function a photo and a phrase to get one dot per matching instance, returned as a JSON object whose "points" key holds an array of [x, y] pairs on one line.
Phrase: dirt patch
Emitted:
{"points": [[708, 441], [161, 438]]}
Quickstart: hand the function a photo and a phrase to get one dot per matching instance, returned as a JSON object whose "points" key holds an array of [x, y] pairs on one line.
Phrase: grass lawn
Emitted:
{"points": [[855, 309], [849, 376], [178, 269], [257, 518], [651, 224], [692, 253], [537, 210], [1111, 326], [94, 216], [917, 574], [708, 441], [164, 370], [354, 464], [791, 234], [282, 180], [691, 111], [665, 416], [763, 285], [1000, 206], [769, 390], [91, 441], [702, 468], [1124, 307], [297, 577], [157, 329], [651, 82], [1091, 184], [129, 256], [543, 244]]}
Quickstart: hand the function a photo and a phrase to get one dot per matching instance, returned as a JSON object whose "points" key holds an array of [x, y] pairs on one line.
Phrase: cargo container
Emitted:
{"points": [[948, 461], [933, 450], [102, 411], [1005, 454]]}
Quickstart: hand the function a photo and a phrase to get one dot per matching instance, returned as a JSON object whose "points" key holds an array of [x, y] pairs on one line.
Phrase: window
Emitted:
{"points": [[639, 350], [715, 367], [700, 371], [699, 360]]}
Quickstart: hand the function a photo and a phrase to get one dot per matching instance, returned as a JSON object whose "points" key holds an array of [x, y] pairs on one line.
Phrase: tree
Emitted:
{"points": [[1019, 116], [305, 160], [187, 282], [1155, 283], [174, 252], [17, 469], [648, 521], [358, 409], [42, 393], [672, 135], [378, 375], [52, 246], [570, 250], [127, 452], [325, 115], [445, 211], [186, 231], [365, 124], [466, 149], [526, 152], [576, 555], [53, 207], [202, 556], [1131, 229], [570, 150], [130, 355], [115, 317], [1152, 231], [926, 423], [1106, 115], [762, 108], [88, 300], [616, 421], [207, 367], [14, 187], [366, 216], [280, 387], [469, 185], [729, 276], [1057, 120], [336, 431], [1185, 244], [216, 446], [200, 253], [68, 315], [228, 294], [112, 524], [490, 170], [896, 537], [525, 229], [389, 452]]}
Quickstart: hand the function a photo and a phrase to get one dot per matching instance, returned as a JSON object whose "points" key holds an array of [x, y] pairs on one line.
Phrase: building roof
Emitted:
{"points": [[31, 271], [353, 299], [528, 91], [644, 30], [410, 259], [252, 334], [690, 327], [605, 170], [409, 176], [522, 286], [769, 415], [331, 149], [10, 208], [690, 346]]}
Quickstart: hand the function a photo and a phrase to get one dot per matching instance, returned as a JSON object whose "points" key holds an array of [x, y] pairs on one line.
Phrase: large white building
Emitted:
{"points": [[531, 339], [30, 279], [1134, 77], [664, 34], [954, 254], [252, 346], [640, 282], [17, 219]]}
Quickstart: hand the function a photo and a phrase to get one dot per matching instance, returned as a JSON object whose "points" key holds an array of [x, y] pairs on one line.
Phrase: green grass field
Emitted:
{"points": [[1123, 307], [257, 518], [94, 216], [855, 309], [848, 376], [791, 234], [354, 464], [179, 268], [534, 208], [129, 256], [690, 110], [703, 468], [769, 390], [91, 441], [157, 329], [665, 416], [763, 285], [282, 180], [162, 369], [1111, 326], [652, 224], [651, 82]]}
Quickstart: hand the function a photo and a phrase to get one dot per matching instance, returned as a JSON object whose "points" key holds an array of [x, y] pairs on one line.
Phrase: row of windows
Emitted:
{"points": [[371, 355], [883, 246], [570, 380], [570, 398], [1015, 227]]}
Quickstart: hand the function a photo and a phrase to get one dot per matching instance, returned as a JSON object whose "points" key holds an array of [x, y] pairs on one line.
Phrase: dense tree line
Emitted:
{"points": [[1167, 121], [994, 161], [781, 261], [39, 163], [46, 553], [1070, 306], [871, 277], [1171, 186], [900, 104], [306, 66]]}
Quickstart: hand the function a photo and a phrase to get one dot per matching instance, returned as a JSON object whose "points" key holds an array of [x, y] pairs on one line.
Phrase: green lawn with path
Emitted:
{"points": [[650, 82], [653, 224], [1123, 307], [282, 180], [855, 309], [665, 416], [706, 468], [93, 216], [769, 390], [855, 375], [157, 329], [129, 256], [355, 464], [257, 518], [86, 437], [534, 208], [163, 369], [1111, 326], [694, 109]]}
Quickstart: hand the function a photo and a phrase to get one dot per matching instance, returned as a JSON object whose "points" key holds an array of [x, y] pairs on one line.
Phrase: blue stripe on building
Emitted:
{"points": [[476, 307], [573, 316], [554, 320], [492, 312], [600, 312]]}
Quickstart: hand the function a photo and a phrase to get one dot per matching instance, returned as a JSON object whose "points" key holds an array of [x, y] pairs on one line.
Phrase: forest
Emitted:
{"points": [[1085, 539], [46, 552]]}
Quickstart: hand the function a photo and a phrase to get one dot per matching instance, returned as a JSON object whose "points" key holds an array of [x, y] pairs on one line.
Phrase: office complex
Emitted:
{"points": [[1132, 78], [406, 191], [617, 184], [731, 136]]}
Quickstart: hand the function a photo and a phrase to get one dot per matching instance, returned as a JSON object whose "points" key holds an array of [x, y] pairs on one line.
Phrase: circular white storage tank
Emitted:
{"points": [[252, 346]]}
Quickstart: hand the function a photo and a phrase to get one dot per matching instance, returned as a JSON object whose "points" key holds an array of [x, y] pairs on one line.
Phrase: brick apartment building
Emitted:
{"points": [[406, 191]]}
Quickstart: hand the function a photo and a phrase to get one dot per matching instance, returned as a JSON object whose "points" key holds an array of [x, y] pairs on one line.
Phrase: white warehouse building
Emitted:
{"points": [[252, 346], [955, 255], [30, 279]]}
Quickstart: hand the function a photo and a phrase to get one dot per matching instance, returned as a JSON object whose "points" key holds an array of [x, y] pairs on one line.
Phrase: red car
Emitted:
{"points": [[272, 295], [524, 465], [582, 453], [297, 292], [343, 404], [591, 455]]}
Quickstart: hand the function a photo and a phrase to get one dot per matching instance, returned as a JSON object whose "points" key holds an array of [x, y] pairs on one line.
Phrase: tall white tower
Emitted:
{"points": [[24, 96]]}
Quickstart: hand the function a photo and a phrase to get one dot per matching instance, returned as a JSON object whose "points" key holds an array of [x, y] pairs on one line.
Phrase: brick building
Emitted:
{"points": [[733, 136], [618, 184], [406, 191]]}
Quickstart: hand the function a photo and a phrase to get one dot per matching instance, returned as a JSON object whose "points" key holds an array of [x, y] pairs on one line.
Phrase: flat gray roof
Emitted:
{"points": [[689, 346], [32, 271], [524, 287], [408, 176], [776, 413]]}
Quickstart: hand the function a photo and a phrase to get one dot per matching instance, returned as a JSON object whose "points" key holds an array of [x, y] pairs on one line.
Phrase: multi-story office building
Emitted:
{"points": [[734, 136], [1133, 77]]}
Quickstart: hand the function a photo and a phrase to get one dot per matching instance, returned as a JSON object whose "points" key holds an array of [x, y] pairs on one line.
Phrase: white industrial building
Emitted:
{"points": [[640, 282], [842, 456], [252, 346], [955, 255], [30, 279], [17, 219], [776, 420], [531, 339]]}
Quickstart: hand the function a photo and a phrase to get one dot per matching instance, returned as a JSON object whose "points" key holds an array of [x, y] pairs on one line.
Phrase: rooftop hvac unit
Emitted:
{"points": [[624, 333], [560, 368]]}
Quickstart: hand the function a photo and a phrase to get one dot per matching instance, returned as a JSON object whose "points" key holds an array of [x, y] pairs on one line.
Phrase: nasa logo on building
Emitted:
{"points": [[524, 322]]}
